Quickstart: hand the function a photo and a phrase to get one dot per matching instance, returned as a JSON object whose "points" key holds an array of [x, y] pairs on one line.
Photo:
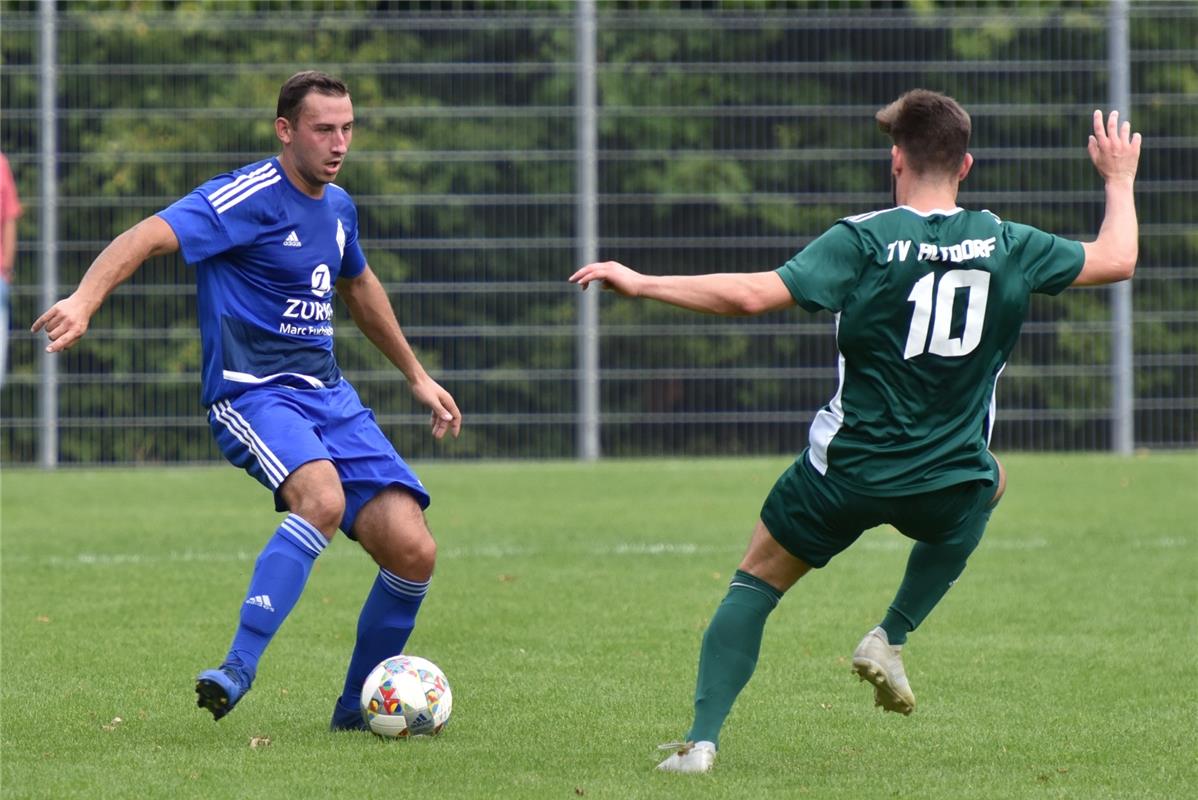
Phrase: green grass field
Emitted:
{"points": [[567, 611]]}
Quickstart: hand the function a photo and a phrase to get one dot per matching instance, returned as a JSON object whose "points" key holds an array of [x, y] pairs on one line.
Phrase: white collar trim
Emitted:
{"points": [[942, 212]]}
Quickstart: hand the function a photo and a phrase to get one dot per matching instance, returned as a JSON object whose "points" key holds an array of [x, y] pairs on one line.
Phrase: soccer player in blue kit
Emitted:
{"points": [[270, 242]]}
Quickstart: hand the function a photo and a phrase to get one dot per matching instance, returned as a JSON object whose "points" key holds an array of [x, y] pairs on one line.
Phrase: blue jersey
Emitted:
{"points": [[266, 257]]}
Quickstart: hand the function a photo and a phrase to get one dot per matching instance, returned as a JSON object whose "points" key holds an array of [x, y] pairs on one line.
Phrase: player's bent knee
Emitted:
{"points": [[405, 547], [314, 492], [408, 557], [423, 555], [323, 508], [416, 547], [768, 560], [393, 530]]}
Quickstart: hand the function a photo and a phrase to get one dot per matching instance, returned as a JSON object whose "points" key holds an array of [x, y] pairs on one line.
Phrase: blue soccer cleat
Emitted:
{"points": [[219, 689], [347, 719]]}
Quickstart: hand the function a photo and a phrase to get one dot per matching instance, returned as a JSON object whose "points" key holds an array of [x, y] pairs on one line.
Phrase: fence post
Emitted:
{"points": [[587, 229], [48, 100], [1122, 372]]}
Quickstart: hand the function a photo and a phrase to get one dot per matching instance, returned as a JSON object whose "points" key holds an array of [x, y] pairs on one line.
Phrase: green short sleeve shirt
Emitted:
{"points": [[928, 307]]}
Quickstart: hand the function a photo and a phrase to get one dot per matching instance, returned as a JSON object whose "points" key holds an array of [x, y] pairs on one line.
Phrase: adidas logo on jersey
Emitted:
{"points": [[292, 240], [262, 601]]}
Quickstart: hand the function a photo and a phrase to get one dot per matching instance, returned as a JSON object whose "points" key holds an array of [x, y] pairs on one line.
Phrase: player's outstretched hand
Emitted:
{"points": [[64, 323], [1114, 149], [610, 275], [446, 418]]}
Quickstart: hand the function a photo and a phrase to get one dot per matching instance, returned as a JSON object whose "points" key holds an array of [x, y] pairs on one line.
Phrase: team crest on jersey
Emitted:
{"points": [[321, 281], [340, 238]]}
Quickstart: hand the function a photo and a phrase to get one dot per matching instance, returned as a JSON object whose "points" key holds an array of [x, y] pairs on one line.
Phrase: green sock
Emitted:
{"points": [[729, 652], [931, 570]]}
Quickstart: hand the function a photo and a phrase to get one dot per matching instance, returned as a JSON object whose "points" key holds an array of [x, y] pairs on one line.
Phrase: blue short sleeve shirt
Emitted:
{"points": [[266, 258]]}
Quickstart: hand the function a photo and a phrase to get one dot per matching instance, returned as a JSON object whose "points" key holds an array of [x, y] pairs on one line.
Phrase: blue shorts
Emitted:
{"points": [[271, 431]]}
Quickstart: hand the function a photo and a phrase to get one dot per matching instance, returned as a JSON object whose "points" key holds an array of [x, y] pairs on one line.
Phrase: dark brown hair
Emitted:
{"points": [[291, 96], [930, 128]]}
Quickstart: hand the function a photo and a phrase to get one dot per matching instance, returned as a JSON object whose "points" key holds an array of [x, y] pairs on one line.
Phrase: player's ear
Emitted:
{"points": [[896, 160], [283, 129], [966, 165]]}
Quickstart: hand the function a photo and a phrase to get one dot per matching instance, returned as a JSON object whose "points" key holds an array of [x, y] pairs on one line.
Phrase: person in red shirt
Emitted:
{"points": [[10, 210]]}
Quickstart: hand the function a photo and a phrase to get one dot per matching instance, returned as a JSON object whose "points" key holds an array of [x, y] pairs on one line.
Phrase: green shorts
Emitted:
{"points": [[814, 518]]}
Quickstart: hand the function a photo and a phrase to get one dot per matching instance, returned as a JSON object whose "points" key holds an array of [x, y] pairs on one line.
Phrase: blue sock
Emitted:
{"points": [[279, 576], [384, 625]]}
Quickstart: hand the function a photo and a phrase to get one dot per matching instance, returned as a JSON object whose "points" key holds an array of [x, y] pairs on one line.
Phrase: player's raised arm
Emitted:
{"points": [[371, 311], [66, 321], [725, 293], [1115, 151]]}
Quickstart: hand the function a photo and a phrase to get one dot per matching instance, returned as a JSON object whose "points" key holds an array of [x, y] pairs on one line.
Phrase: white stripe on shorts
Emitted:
{"points": [[237, 425]]}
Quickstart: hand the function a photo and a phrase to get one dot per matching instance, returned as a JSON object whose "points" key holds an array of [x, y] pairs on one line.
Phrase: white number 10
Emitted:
{"points": [[940, 304]]}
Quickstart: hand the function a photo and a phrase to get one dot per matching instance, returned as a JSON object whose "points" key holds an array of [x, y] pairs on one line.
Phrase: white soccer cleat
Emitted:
{"points": [[877, 661], [690, 757]]}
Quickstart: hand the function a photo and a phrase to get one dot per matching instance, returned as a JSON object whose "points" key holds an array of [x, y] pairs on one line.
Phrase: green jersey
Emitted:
{"points": [[928, 307]]}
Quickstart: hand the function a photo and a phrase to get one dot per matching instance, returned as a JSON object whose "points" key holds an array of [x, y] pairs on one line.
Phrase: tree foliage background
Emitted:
{"points": [[730, 135]]}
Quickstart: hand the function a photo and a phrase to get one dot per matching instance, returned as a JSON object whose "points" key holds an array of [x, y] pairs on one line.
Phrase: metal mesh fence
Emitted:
{"points": [[729, 135]]}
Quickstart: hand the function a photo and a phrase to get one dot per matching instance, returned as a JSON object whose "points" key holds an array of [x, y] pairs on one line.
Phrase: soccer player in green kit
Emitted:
{"points": [[929, 299]]}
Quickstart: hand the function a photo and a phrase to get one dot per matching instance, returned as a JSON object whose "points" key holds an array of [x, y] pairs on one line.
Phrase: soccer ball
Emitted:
{"points": [[406, 696]]}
